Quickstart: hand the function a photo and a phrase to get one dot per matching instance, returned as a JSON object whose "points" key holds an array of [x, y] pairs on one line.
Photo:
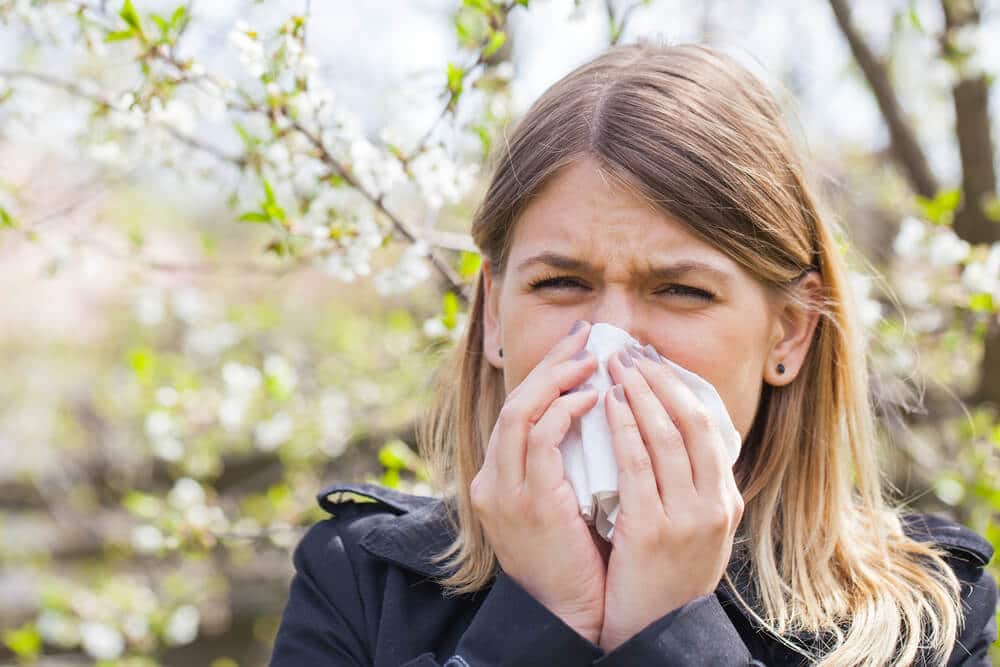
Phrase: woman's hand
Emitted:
{"points": [[528, 509], [679, 505]]}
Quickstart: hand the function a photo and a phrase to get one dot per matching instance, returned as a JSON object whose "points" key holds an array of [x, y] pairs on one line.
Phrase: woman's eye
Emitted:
{"points": [[563, 282]]}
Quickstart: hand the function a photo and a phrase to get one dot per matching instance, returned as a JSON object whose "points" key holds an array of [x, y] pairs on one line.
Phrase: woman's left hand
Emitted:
{"points": [[679, 505]]}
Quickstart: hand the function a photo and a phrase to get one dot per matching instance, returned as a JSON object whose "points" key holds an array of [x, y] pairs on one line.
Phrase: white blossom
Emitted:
{"points": [[108, 153], [274, 431], [175, 113], [504, 70], [946, 249], [182, 628], [440, 178], [189, 305], [984, 277], [334, 409], [241, 379], [232, 412], [57, 628], [411, 270], [281, 371], [353, 260], [908, 238], [433, 327], [101, 641], [185, 493], [251, 51], [149, 308], [915, 291], [136, 627], [159, 424], [168, 448], [167, 396], [377, 173], [147, 538], [211, 341]]}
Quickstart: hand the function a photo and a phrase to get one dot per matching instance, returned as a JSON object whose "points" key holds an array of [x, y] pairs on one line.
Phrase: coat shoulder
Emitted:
{"points": [[960, 541], [358, 508]]}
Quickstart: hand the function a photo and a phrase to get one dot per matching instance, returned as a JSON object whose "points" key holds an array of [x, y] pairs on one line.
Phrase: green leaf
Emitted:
{"points": [[7, 220], [469, 263], [254, 216], [24, 642], [268, 192], [179, 15], [248, 139], [143, 505], [142, 362], [915, 18], [119, 35], [450, 306], [131, 17], [523, 3], [389, 457], [941, 209], [455, 76], [496, 41], [481, 5], [981, 303], [274, 212], [390, 479], [161, 24]]}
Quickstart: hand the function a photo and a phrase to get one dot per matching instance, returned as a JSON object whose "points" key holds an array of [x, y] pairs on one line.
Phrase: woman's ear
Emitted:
{"points": [[492, 333], [794, 325]]}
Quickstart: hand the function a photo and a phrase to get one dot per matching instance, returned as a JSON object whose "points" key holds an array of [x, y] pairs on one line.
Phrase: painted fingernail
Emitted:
{"points": [[626, 358], [619, 392], [582, 354], [576, 327], [651, 352]]}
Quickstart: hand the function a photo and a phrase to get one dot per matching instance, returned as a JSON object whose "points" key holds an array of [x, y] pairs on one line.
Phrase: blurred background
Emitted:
{"points": [[233, 247]]}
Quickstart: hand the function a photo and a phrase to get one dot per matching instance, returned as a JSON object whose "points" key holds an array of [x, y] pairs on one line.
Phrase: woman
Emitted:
{"points": [[655, 188]]}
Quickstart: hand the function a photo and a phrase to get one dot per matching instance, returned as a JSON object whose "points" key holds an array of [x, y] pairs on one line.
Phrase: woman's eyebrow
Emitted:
{"points": [[671, 271]]}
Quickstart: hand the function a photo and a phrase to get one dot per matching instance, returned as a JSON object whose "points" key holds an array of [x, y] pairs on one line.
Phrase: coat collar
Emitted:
{"points": [[422, 528]]}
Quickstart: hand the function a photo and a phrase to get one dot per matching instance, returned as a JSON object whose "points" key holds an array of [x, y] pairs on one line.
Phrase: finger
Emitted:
{"points": [[543, 462], [701, 436], [664, 442], [525, 405], [637, 484]]}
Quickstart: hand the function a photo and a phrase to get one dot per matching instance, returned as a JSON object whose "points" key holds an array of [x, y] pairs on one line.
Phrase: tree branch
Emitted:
{"points": [[906, 148], [975, 142], [454, 280]]}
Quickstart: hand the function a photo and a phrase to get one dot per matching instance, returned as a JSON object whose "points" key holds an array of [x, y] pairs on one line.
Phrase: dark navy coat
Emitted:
{"points": [[362, 595]]}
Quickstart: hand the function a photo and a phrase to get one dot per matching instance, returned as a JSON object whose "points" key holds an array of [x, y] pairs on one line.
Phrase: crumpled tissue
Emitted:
{"points": [[587, 451]]}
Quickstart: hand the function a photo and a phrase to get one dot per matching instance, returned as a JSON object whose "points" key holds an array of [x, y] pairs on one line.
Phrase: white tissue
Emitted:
{"points": [[587, 452]]}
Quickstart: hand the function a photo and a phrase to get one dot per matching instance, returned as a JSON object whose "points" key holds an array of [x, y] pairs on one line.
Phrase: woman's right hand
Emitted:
{"points": [[527, 507]]}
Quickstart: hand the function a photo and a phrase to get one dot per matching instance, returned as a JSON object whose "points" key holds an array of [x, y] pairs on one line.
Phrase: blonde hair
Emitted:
{"points": [[698, 136]]}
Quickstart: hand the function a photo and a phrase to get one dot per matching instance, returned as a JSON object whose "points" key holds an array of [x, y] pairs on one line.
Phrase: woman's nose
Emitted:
{"points": [[617, 308]]}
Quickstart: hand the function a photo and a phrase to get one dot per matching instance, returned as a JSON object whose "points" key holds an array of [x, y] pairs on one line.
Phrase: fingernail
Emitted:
{"points": [[576, 327], [619, 392], [626, 358], [651, 352], [582, 354]]}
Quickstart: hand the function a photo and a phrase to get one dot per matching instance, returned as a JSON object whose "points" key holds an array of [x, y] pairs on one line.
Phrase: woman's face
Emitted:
{"points": [[599, 248]]}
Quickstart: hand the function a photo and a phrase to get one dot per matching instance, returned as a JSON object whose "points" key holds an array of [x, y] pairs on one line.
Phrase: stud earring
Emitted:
{"points": [[781, 368], [501, 352]]}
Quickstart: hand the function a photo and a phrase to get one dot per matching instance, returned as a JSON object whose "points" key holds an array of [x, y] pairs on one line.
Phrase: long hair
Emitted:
{"points": [[703, 140]]}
